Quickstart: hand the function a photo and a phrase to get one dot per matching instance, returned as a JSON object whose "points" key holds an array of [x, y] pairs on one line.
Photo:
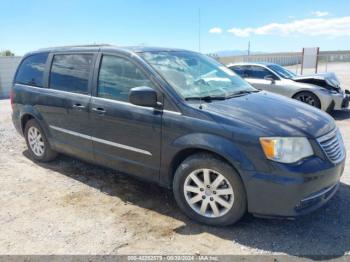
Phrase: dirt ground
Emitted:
{"points": [[71, 207]]}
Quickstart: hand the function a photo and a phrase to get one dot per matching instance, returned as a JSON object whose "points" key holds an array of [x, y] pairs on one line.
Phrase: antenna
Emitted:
{"points": [[199, 49], [199, 29]]}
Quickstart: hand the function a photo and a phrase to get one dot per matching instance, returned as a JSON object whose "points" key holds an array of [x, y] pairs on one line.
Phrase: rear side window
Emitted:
{"points": [[117, 76], [31, 70], [71, 72]]}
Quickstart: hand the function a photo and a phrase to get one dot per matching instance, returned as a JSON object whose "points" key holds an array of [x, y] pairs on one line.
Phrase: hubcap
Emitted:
{"points": [[208, 193], [307, 99], [36, 141]]}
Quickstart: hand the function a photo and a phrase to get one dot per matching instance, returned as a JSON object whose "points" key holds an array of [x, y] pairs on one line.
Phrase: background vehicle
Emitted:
{"points": [[182, 120], [320, 90]]}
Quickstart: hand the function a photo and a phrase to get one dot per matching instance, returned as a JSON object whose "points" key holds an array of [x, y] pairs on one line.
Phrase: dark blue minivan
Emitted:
{"points": [[184, 121]]}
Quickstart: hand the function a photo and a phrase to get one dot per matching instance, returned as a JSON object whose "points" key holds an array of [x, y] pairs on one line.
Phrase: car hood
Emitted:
{"points": [[330, 78], [271, 115]]}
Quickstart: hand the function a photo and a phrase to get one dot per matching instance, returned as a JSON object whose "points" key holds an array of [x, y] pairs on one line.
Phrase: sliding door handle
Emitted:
{"points": [[78, 106], [98, 110]]}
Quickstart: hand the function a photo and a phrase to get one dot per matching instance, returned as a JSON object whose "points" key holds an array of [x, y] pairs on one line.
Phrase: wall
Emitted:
{"points": [[8, 66]]}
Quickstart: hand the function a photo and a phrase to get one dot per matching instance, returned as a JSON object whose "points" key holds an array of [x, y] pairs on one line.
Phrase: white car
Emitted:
{"points": [[319, 90]]}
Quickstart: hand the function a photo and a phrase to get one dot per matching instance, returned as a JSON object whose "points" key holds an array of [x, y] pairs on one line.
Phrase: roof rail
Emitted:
{"points": [[72, 46]]}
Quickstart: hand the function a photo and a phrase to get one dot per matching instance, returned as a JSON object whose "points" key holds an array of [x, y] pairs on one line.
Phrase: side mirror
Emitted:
{"points": [[143, 96], [270, 78]]}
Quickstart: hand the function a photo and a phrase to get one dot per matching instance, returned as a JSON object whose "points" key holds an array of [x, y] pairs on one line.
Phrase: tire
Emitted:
{"points": [[40, 150], [308, 98], [196, 166]]}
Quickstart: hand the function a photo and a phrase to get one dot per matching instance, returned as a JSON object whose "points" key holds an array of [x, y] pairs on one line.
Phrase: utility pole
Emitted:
{"points": [[248, 50]]}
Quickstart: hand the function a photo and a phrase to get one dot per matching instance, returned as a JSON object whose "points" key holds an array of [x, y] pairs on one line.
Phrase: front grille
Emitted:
{"points": [[332, 145]]}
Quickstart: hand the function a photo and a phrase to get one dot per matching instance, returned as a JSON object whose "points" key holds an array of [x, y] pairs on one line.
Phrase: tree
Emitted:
{"points": [[6, 53]]}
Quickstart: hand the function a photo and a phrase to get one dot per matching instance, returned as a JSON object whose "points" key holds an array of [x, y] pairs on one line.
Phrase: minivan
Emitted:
{"points": [[184, 121]]}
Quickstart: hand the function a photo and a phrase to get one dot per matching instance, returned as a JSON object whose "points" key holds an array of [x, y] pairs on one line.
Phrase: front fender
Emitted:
{"points": [[207, 142], [324, 97]]}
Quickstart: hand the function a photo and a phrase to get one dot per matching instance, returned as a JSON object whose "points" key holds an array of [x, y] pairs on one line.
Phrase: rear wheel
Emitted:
{"points": [[38, 146], [209, 190], [308, 98]]}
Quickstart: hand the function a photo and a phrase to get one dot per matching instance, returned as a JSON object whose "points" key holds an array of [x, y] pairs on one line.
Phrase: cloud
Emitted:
{"points": [[320, 13], [245, 32], [215, 30], [332, 27]]}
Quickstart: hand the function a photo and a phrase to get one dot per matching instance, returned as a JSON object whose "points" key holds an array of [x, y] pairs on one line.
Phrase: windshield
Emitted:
{"points": [[281, 71], [193, 75]]}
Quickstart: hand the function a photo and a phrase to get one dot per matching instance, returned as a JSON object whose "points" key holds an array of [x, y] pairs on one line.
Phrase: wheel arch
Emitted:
{"points": [[24, 119], [308, 91], [29, 112], [219, 147], [187, 152]]}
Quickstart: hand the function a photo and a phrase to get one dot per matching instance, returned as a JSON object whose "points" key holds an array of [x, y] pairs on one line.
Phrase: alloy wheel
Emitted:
{"points": [[306, 99], [36, 141], [208, 193]]}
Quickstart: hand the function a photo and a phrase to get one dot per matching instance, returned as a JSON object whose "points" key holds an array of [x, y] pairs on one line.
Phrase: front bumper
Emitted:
{"points": [[290, 191], [341, 100]]}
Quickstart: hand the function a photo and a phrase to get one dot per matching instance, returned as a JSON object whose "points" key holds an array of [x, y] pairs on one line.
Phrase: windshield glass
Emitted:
{"points": [[193, 75], [281, 71]]}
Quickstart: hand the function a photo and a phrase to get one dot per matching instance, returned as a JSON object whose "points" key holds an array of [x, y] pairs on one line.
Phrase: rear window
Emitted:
{"points": [[71, 72], [31, 70]]}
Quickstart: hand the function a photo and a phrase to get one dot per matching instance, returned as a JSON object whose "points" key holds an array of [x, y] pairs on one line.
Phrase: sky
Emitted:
{"points": [[269, 25]]}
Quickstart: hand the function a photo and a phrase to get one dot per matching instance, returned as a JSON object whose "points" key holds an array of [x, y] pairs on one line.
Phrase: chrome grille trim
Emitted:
{"points": [[332, 145]]}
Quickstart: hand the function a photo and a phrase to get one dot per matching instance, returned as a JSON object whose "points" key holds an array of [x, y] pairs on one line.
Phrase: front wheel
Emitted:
{"points": [[308, 98], [209, 190]]}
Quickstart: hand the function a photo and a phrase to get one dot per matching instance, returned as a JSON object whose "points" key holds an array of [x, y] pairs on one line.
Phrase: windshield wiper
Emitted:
{"points": [[210, 98], [242, 92], [205, 98]]}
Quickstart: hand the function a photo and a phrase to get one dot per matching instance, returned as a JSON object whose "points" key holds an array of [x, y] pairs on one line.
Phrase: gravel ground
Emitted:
{"points": [[71, 207]]}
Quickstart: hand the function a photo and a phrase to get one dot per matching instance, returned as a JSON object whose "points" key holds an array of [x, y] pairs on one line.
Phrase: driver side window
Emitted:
{"points": [[259, 72], [117, 76]]}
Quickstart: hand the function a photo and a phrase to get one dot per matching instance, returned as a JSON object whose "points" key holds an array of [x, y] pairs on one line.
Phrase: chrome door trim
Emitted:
{"points": [[130, 104], [99, 140], [50, 90], [171, 112]]}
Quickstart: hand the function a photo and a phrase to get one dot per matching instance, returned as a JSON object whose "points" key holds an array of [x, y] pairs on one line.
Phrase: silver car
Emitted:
{"points": [[320, 90]]}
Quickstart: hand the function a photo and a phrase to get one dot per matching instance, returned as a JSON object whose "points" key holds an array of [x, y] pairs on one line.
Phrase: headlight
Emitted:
{"points": [[286, 149]]}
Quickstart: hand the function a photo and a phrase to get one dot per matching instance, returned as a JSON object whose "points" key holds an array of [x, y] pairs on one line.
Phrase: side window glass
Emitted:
{"points": [[117, 76], [31, 70], [71, 72], [239, 70], [259, 72]]}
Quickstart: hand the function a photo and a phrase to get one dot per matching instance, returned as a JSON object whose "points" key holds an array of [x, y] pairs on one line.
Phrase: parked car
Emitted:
{"points": [[184, 121], [319, 90]]}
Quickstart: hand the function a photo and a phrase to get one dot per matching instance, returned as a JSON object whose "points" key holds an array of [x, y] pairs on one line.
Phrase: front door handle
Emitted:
{"points": [[98, 110], [79, 106]]}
